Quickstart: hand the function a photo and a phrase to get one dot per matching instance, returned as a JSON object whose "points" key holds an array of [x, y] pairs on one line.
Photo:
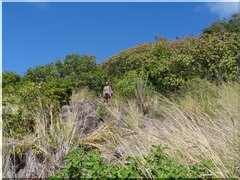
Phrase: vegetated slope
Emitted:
{"points": [[197, 118], [171, 65]]}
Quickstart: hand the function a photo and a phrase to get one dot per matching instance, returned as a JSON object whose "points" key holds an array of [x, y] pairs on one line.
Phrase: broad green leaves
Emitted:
{"points": [[158, 164]]}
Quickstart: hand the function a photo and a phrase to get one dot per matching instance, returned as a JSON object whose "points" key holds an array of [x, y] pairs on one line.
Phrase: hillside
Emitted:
{"points": [[174, 113]]}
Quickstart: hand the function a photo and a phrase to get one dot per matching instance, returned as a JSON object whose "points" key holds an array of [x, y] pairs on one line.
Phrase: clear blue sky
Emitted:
{"points": [[40, 33]]}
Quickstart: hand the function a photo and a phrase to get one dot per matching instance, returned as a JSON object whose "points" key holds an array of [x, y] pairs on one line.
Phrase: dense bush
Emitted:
{"points": [[172, 65], [170, 74], [231, 26], [102, 112], [156, 164], [127, 60], [10, 78], [23, 102], [126, 85], [16, 110], [216, 57], [40, 74], [59, 90]]}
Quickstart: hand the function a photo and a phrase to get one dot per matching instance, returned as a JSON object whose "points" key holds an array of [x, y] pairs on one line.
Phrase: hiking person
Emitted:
{"points": [[107, 93]]}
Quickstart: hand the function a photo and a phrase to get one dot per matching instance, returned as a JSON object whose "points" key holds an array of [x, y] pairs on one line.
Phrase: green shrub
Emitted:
{"points": [[127, 85], [39, 74], [128, 60], [158, 164], [59, 90], [216, 57], [15, 125], [18, 101], [25, 102], [170, 74], [102, 112], [10, 78], [231, 26]]}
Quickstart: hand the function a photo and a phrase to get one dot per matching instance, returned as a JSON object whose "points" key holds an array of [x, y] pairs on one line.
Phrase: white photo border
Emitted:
{"points": [[1, 45]]}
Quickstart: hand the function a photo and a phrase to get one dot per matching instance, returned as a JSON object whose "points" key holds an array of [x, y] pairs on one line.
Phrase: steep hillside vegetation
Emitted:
{"points": [[182, 96]]}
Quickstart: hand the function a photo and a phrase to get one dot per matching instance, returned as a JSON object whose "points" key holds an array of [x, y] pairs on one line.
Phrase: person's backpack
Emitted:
{"points": [[106, 90]]}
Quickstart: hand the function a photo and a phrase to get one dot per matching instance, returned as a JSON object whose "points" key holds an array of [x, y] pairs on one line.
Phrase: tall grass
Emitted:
{"points": [[202, 125], [43, 151]]}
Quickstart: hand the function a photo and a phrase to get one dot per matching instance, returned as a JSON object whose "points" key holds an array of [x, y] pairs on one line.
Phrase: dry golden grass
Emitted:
{"points": [[202, 125], [82, 94], [52, 139], [195, 128]]}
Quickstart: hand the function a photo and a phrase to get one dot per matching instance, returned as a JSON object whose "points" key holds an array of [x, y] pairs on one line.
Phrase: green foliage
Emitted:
{"points": [[75, 65], [34, 97], [44, 73], [59, 90], [25, 101], [216, 57], [170, 74], [15, 125], [94, 80], [102, 112], [162, 166], [82, 164], [161, 49], [10, 78], [173, 65], [17, 119], [127, 85], [232, 26], [82, 71], [128, 60], [178, 63]]}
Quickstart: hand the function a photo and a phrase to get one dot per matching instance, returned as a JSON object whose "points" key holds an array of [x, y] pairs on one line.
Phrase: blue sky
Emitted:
{"points": [[40, 33]]}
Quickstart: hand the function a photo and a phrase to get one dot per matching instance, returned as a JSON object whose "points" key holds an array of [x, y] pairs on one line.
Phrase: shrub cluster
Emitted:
{"points": [[156, 164]]}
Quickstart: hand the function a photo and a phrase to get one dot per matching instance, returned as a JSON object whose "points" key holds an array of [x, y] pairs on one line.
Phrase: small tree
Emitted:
{"points": [[10, 78]]}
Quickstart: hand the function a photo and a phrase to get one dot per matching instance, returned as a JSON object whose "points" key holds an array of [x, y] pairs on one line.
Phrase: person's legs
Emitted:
{"points": [[109, 100], [106, 98]]}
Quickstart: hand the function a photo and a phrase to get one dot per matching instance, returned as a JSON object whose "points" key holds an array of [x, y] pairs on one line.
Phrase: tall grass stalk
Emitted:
{"points": [[52, 140], [195, 129]]}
